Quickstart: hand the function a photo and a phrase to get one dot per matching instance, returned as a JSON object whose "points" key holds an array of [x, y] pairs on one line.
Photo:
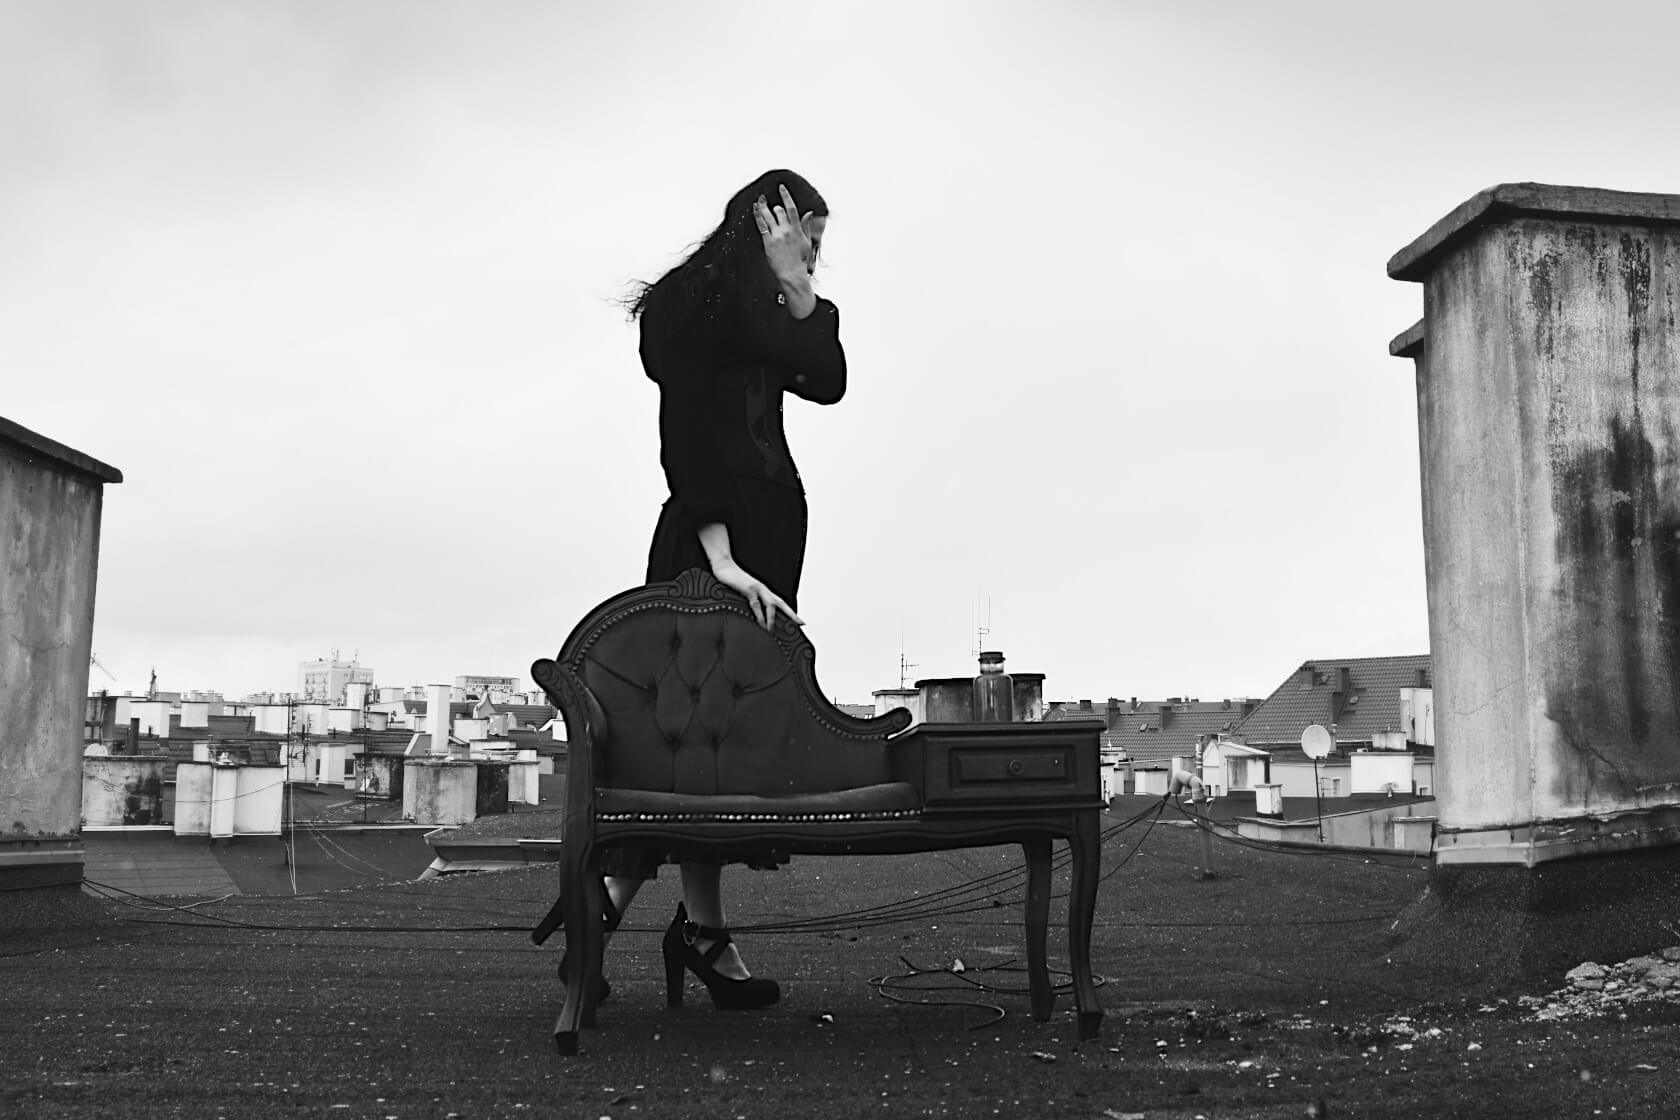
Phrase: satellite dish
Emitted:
{"points": [[1316, 741]]}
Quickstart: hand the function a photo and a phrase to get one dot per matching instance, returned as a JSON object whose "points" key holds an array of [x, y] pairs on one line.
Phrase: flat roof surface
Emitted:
{"points": [[1277, 985], [1230, 808]]}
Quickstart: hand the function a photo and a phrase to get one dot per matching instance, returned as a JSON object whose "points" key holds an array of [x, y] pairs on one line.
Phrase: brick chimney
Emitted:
{"points": [[1111, 717], [1166, 714]]}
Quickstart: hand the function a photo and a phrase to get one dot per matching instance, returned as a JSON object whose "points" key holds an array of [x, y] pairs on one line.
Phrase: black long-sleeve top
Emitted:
{"points": [[721, 379]]}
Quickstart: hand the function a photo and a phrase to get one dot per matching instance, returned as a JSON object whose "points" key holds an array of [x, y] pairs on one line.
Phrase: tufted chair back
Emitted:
{"points": [[696, 698]]}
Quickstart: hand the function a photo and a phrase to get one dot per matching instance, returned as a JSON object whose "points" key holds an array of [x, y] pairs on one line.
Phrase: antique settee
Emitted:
{"points": [[693, 727]]}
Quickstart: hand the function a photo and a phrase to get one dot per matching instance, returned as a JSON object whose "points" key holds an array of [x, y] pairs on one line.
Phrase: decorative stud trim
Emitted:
{"points": [[768, 818]]}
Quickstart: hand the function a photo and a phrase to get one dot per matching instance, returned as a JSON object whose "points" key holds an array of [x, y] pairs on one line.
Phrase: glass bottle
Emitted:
{"points": [[994, 691]]}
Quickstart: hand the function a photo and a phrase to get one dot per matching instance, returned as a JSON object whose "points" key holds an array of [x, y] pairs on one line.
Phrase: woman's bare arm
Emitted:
{"points": [[714, 538]]}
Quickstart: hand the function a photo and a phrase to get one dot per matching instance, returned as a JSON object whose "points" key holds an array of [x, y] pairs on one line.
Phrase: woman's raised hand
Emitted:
{"points": [[787, 245]]}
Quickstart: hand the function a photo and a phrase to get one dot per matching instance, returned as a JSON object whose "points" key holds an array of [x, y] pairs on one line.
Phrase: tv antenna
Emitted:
{"points": [[904, 666], [981, 629]]}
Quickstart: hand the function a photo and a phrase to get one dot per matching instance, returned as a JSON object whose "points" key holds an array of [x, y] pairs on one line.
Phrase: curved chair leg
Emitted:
{"points": [[576, 897], [1043, 997], [593, 945], [1086, 845]]}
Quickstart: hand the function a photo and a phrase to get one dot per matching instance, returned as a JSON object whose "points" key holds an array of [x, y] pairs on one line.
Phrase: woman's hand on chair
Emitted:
{"points": [[764, 602]]}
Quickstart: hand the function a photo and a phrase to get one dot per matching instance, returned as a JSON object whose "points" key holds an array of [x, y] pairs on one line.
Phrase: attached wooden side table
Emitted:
{"points": [[1025, 783]]}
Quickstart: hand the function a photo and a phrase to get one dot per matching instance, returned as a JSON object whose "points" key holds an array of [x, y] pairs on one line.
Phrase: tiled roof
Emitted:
{"points": [[1371, 703], [217, 728], [463, 708], [1057, 711], [861, 711], [397, 737], [258, 749], [525, 715], [1139, 731], [537, 740]]}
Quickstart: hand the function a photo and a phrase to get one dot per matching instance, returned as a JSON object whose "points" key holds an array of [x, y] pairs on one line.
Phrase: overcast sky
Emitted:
{"points": [[333, 285]]}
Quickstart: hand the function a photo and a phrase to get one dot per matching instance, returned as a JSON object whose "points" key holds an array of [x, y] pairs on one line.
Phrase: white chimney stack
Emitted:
{"points": [[437, 718]]}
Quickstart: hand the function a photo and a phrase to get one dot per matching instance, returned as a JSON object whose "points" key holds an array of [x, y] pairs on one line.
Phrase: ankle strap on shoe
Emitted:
{"points": [[694, 931]]}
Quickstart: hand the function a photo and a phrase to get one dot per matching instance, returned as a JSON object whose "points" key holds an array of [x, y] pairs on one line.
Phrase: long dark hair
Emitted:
{"points": [[729, 263]]}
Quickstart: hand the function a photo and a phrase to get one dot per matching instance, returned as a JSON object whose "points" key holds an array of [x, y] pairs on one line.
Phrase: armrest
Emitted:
{"points": [[882, 726], [586, 726]]}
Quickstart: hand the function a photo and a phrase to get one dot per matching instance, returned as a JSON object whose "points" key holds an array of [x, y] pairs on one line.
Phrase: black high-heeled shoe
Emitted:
{"points": [[610, 919], [728, 993]]}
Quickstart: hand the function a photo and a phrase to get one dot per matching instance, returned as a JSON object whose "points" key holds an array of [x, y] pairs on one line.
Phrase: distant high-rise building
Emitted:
{"points": [[484, 686], [322, 679]]}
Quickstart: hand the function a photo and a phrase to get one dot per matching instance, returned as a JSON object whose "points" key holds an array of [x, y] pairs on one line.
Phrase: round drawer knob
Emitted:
{"points": [[1015, 767]]}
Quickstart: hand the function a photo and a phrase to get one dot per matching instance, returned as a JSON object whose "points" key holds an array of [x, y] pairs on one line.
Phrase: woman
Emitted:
{"points": [[724, 334]]}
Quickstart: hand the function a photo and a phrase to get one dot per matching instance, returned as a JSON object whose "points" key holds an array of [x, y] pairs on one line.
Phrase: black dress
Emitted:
{"points": [[721, 377]]}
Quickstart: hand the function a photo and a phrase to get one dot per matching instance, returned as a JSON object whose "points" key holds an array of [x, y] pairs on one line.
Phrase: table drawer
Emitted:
{"points": [[980, 766], [1031, 765]]}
